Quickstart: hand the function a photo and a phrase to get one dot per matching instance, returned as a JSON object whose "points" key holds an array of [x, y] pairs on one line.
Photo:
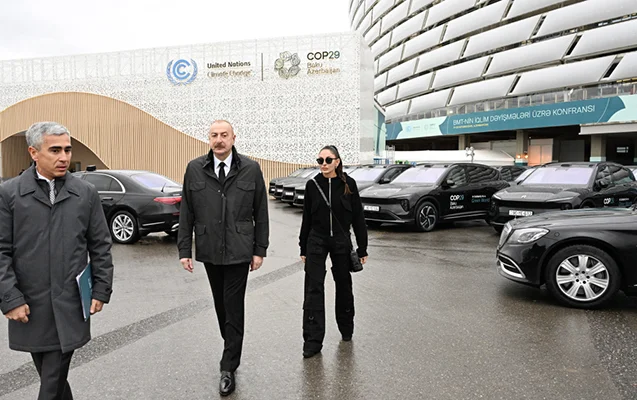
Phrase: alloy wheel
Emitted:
{"points": [[582, 278], [123, 227], [427, 217]]}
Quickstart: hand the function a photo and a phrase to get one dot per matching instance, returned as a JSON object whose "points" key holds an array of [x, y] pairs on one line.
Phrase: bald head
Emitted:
{"points": [[221, 138]]}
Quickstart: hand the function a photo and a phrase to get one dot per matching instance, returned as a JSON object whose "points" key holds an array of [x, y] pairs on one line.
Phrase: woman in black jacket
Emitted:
{"points": [[324, 232]]}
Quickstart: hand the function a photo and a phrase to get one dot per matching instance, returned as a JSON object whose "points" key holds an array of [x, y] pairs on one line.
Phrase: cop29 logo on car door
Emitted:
{"points": [[181, 72]]}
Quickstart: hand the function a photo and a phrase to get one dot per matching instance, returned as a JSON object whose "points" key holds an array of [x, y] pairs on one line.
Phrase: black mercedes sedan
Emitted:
{"points": [[136, 203], [428, 194], [583, 256], [564, 186]]}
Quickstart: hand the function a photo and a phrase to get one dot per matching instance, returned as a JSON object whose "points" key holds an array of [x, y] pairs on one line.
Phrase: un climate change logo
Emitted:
{"points": [[181, 72], [287, 58]]}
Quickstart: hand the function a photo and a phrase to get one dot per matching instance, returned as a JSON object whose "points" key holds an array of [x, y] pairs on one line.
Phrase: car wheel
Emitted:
{"points": [[582, 276], [426, 217], [124, 227]]}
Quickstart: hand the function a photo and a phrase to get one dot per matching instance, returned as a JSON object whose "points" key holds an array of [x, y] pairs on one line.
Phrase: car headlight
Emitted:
{"points": [[560, 199], [527, 235]]}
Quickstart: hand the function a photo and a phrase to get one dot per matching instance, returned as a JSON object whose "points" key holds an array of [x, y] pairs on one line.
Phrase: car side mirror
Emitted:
{"points": [[448, 183], [384, 181]]}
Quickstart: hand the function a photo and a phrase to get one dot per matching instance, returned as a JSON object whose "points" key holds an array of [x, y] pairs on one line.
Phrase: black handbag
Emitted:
{"points": [[355, 261]]}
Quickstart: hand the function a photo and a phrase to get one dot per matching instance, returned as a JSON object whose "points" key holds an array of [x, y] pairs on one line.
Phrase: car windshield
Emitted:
{"points": [[157, 182], [367, 174], [296, 173], [559, 176], [420, 175], [524, 175], [307, 173], [349, 170]]}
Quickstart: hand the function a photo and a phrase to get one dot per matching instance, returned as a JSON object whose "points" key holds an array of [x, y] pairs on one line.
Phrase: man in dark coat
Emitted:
{"points": [[225, 203], [50, 224]]}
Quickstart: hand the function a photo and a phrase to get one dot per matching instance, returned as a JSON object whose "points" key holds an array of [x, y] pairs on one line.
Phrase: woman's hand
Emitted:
{"points": [[303, 258], [363, 260]]}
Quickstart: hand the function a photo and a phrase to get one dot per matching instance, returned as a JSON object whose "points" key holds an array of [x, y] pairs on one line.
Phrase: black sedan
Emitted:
{"points": [[306, 174], [583, 256], [564, 186], [273, 182], [136, 203], [427, 194]]}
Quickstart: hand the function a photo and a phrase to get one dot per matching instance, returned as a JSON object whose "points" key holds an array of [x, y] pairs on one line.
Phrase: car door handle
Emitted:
{"points": [[107, 198]]}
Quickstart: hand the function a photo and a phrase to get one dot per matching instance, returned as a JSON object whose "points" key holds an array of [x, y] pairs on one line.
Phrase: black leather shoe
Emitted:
{"points": [[310, 353], [347, 338], [226, 384]]}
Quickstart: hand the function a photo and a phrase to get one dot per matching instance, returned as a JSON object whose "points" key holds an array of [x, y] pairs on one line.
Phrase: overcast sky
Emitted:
{"points": [[42, 28]]}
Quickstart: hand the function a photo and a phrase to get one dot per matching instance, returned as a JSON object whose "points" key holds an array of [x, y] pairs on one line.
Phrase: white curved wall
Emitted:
{"points": [[437, 53]]}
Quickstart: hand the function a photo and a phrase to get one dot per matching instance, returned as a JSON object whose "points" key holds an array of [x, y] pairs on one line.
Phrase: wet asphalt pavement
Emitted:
{"points": [[434, 320]]}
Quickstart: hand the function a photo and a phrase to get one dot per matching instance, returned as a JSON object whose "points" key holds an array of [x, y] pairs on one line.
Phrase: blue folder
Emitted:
{"points": [[85, 284]]}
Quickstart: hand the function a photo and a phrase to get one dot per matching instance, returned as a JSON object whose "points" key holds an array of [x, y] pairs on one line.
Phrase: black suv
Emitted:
{"points": [[427, 194], [564, 186]]}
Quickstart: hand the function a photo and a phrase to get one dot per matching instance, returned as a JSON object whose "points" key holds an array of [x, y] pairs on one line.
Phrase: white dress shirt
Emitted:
{"points": [[227, 161]]}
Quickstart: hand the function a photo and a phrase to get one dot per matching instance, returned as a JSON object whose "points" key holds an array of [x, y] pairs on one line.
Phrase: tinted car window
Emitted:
{"points": [[420, 175], [457, 175], [603, 178], [367, 174], [154, 181], [102, 182], [506, 174], [620, 175], [480, 174], [559, 176]]}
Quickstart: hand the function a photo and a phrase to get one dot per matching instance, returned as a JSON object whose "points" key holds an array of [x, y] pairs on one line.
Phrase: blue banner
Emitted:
{"points": [[613, 109]]}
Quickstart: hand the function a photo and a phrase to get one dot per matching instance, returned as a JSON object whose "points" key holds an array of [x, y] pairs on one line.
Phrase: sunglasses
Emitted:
{"points": [[327, 160]]}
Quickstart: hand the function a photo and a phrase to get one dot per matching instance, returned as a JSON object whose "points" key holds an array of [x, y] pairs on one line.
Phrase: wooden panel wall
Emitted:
{"points": [[120, 135], [15, 156]]}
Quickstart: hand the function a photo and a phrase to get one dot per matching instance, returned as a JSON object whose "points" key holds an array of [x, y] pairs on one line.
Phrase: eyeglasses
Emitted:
{"points": [[327, 160]]}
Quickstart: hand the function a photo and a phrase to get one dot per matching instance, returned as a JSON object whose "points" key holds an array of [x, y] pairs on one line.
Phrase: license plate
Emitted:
{"points": [[289, 193], [301, 197], [279, 190], [520, 213], [371, 208]]}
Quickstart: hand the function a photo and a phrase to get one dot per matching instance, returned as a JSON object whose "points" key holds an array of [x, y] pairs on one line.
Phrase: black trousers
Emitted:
{"points": [[228, 284], [318, 247], [53, 368]]}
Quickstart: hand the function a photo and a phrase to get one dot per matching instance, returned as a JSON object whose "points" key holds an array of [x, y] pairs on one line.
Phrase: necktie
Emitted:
{"points": [[222, 172], [52, 191]]}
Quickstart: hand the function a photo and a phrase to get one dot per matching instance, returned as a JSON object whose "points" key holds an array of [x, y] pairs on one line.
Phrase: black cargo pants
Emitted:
{"points": [[318, 247]]}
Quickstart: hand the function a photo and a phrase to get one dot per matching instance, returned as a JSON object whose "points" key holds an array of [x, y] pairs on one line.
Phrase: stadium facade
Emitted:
{"points": [[544, 80], [151, 109]]}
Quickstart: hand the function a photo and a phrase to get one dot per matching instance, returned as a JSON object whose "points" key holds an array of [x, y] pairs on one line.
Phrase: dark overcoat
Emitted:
{"points": [[43, 248]]}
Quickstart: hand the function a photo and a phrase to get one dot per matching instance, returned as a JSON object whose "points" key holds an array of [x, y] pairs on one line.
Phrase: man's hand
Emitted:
{"points": [[363, 260], [256, 263], [303, 259], [19, 314], [187, 264], [96, 306]]}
